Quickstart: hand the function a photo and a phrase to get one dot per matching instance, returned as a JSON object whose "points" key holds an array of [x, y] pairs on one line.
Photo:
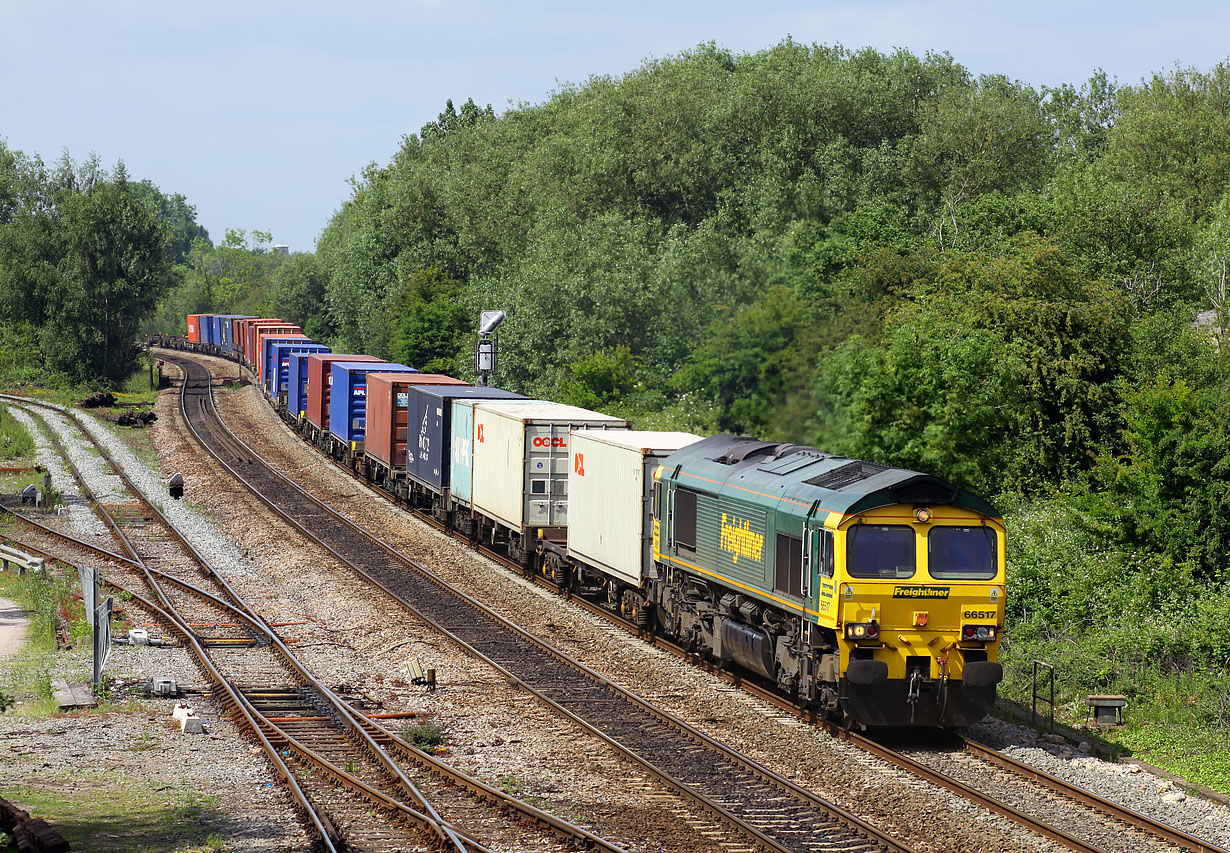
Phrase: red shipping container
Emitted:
{"points": [[387, 401], [255, 329], [194, 327], [241, 333], [261, 335], [319, 377]]}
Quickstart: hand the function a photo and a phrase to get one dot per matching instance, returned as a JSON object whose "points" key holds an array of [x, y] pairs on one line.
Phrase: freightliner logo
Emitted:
{"points": [[920, 592]]}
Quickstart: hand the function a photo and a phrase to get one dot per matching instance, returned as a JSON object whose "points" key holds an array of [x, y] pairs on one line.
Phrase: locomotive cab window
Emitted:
{"points": [[880, 551], [684, 520], [962, 553]]}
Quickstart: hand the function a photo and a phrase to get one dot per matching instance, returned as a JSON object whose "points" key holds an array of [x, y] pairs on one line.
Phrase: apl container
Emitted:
{"points": [[319, 385], [430, 437], [388, 410], [521, 460], [267, 363], [610, 497], [278, 362], [209, 329], [348, 399]]}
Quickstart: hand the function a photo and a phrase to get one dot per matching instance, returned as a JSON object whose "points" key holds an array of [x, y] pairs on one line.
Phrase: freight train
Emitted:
{"points": [[869, 594]]}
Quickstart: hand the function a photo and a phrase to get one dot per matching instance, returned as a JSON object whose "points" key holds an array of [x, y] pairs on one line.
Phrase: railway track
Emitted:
{"points": [[352, 773], [1081, 807], [768, 810]]}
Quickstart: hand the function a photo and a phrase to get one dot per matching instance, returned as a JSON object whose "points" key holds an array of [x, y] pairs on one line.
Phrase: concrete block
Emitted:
{"points": [[182, 712], [192, 725], [163, 686]]}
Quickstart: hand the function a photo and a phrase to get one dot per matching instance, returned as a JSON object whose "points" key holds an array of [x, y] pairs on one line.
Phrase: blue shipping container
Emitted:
{"points": [[297, 383], [279, 361], [429, 419], [348, 396], [267, 361], [226, 330]]}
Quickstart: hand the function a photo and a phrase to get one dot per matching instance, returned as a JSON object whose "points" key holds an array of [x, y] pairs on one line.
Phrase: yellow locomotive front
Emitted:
{"points": [[917, 607]]}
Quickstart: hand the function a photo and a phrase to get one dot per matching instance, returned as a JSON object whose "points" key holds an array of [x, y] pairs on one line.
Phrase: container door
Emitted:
{"points": [[463, 453]]}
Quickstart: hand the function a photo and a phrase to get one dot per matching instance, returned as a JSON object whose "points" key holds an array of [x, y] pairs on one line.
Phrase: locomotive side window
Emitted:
{"points": [[961, 553], [685, 520], [657, 501], [880, 551], [789, 575]]}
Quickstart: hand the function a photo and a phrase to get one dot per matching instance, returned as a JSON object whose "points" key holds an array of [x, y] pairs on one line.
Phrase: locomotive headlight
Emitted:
{"points": [[922, 515], [862, 631]]}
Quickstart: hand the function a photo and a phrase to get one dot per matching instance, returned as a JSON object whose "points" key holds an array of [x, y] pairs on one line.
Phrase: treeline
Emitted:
{"points": [[85, 254], [878, 254], [1019, 289]]}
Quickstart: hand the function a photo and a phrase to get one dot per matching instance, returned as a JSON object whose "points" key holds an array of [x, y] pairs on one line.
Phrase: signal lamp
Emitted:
{"points": [[980, 633], [862, 631]]}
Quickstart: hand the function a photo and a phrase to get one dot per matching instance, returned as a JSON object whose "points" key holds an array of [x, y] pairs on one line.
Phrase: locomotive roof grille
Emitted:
{"points": [[846, 475]]}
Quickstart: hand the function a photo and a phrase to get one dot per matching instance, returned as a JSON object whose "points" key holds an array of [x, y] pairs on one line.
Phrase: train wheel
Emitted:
{"points": [[631, 606]]}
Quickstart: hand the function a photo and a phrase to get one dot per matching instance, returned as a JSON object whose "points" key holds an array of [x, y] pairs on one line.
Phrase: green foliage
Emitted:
{"points": [[84, 256], [993, 370], [15, 440], [424, 735], [297, 295], [430, 324], [602, 379]]}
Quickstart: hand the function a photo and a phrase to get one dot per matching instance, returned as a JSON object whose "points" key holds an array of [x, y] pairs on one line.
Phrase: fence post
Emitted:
{"points": [[1049, 671]]}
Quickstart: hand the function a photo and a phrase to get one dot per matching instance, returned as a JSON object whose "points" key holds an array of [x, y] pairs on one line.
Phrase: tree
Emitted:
{"points": [[430, 323], [115, 265], [994, 371], [297, 294]]}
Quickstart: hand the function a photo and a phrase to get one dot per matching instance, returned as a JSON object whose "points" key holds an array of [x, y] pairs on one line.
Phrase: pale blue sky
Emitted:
{"points": [[259, 112]]}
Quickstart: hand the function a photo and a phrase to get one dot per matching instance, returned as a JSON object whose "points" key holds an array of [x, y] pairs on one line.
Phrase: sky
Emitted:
{"points": [[261, 112]]}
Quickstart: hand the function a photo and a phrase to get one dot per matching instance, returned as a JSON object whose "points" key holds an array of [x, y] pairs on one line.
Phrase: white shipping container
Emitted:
{"points": [[610, 489], [521, 460]]}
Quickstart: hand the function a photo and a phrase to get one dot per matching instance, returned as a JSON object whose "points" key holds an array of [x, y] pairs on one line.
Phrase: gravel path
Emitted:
{"points": [[13, 624]]}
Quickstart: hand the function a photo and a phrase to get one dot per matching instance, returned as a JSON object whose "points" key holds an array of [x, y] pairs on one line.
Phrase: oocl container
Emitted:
{"points": [[430, 437], [610, 497], [319, 387], [388, 408], [521, 460], [348, 399], [278, 363], [266, 359]]}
